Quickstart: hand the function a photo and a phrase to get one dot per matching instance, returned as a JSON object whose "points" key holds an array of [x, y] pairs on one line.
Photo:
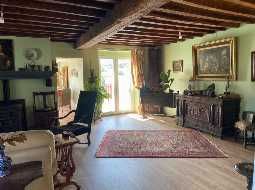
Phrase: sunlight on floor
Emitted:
{"points": [[147, 118], [140, 117]]}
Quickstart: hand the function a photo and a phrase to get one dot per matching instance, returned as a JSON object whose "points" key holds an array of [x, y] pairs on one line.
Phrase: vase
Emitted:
{"points": [[5, 163]]}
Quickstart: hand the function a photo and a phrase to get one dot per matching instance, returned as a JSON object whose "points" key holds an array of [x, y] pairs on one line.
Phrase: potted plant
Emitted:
{"points": [[94, 84], [166, 81], [5, 161]]}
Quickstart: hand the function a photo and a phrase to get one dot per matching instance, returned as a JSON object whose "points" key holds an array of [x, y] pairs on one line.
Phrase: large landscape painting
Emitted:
{"points": [[215, 60]]}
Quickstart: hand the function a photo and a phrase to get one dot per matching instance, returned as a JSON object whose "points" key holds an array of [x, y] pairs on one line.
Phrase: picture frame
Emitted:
{"points": [[178, 66], [6, 55], [215, 60], [253, 66]]}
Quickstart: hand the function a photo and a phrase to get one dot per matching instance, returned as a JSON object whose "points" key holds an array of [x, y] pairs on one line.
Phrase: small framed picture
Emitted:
{"points": [[253, 66], [178, 66]]}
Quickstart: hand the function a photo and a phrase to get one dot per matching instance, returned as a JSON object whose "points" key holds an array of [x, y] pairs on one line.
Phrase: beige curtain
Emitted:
{"points": [[137, 61]]}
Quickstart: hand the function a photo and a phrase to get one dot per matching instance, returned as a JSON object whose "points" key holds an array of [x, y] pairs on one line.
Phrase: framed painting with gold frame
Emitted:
{"points": [[215, 60]]}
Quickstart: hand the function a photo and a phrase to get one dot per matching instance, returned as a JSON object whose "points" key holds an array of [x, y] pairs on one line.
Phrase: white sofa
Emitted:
{"points": [[40, 146]]}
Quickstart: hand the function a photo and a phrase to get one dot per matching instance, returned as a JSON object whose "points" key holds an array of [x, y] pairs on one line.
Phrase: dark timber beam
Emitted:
{"points": [[160, 31], [189, 19], [82, 3], [174, 23], [35, 30], [124, 14], [44, 14], [207, 9], [172, 27], [230, 7], [72, 10]]}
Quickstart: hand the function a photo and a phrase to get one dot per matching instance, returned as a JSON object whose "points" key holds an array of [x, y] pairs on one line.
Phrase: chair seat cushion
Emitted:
{"points": [[75, 128]]}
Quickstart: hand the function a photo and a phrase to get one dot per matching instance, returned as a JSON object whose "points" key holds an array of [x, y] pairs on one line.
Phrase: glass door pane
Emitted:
{"points": [[125, 85], [107, 79]]}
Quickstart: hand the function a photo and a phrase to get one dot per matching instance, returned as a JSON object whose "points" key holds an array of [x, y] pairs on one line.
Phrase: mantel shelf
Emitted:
{"points": [[8, 75]]}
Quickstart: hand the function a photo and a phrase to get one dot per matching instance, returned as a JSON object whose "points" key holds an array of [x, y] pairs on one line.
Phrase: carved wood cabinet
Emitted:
{"points": [[214, 115]]}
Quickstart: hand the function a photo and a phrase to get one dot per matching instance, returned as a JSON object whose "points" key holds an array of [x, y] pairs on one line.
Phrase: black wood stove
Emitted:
{"points": [[12, 112]]}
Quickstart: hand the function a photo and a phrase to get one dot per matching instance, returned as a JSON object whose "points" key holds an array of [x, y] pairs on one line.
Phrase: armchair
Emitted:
{"points": [[39, 146], [83, 116]]}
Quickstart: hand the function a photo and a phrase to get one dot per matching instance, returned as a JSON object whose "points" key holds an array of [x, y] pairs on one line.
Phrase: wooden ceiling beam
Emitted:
{"points": [[123, 14], [73, 10], [178, 24], [156, 31], [82, 3], [137, 32], [172, 27], [109, 1], [168, 30], [31, 34], [45, 21], [155, 18], [20, 26], [244, 3], [197, 15], [25, 24], [6, 32], [230, 7], [135, 36], [44, 14], [143, 40], [188, 19], [176, 36], [35, 30], [132, 44], [196, 10]]}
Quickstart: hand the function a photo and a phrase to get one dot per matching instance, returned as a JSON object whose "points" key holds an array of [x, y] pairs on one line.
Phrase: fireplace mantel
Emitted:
{"points": [[8, 75]]}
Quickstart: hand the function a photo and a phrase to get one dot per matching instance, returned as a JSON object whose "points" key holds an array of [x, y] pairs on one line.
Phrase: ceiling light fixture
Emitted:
{"points": [[180, 36]]}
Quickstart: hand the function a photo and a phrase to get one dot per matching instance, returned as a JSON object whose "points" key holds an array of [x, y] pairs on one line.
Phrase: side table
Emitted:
{"points": [[21, 175], [246, 169], [66, 165]]}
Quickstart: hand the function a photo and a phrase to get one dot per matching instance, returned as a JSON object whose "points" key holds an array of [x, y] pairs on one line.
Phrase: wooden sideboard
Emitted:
{"points": [[214, 115]]}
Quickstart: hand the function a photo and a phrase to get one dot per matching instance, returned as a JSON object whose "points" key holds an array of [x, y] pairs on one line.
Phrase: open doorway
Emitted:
{"points": [[115, 73], [69, 83]]}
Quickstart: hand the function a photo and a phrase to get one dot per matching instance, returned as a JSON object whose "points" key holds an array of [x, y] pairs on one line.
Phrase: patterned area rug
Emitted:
{"points": [[157, 144]]}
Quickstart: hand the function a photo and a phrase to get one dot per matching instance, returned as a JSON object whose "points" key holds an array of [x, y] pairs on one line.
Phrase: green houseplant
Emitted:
{"points": [[94, 84], [166, 81]]}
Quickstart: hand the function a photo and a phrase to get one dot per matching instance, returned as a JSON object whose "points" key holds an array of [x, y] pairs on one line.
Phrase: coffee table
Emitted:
{"points": [[66, 165]]}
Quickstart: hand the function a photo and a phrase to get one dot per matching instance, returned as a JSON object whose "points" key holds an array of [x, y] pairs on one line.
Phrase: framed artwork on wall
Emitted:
{"points": [[215, 60], [253, 66], [6, 55], [178, 66]]}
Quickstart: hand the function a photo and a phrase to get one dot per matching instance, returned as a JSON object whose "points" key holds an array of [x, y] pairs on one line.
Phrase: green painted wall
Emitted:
{"points": [[22, 89], [245, 45]]}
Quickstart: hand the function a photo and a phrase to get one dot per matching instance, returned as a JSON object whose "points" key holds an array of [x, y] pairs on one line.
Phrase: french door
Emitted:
{"points": [[116, 78]]}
